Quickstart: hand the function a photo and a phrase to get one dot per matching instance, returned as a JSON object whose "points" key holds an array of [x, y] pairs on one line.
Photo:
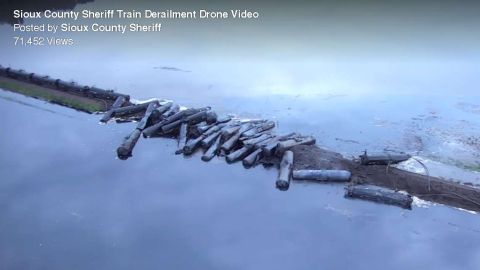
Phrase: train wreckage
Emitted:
{"points": [[253, 142]]}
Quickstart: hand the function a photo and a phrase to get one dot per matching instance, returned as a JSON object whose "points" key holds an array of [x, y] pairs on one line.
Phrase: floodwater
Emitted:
{"points": [[68, 203]]}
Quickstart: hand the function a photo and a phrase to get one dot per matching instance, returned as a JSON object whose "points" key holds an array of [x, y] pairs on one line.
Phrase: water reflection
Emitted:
{"points": [[69, 204], [343, 74]]}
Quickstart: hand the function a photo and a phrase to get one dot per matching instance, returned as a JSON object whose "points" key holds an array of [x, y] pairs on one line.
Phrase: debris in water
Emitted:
{"points": [[322, 175], [285, 173], [382, 159], [379, 195]]}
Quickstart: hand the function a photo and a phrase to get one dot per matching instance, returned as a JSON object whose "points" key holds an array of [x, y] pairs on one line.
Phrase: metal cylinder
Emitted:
{"points": [[124, 151], [192, 145], [18, 74], [3, 71], [37, 79], [103, 94], [382, 159], [211, 117], [77, 89], [285, 171], [322, 175], [379, 195], [62, 85], [46, 81]]}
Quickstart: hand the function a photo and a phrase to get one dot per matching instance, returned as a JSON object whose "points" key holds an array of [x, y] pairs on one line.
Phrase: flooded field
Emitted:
{"points": [[68, 203]]}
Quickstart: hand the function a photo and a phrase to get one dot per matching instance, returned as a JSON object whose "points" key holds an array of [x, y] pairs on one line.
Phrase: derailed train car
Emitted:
{"points": [[3, 71], [58, 84], [43, 80], [104, 94], [18, 74], [71, 87]]}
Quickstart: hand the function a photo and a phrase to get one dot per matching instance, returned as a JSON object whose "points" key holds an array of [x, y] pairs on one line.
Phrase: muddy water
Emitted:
{"points": [[66, 202]]}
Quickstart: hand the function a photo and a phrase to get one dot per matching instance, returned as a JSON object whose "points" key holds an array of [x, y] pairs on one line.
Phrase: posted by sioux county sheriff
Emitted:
{"points": [[53, 22]]}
